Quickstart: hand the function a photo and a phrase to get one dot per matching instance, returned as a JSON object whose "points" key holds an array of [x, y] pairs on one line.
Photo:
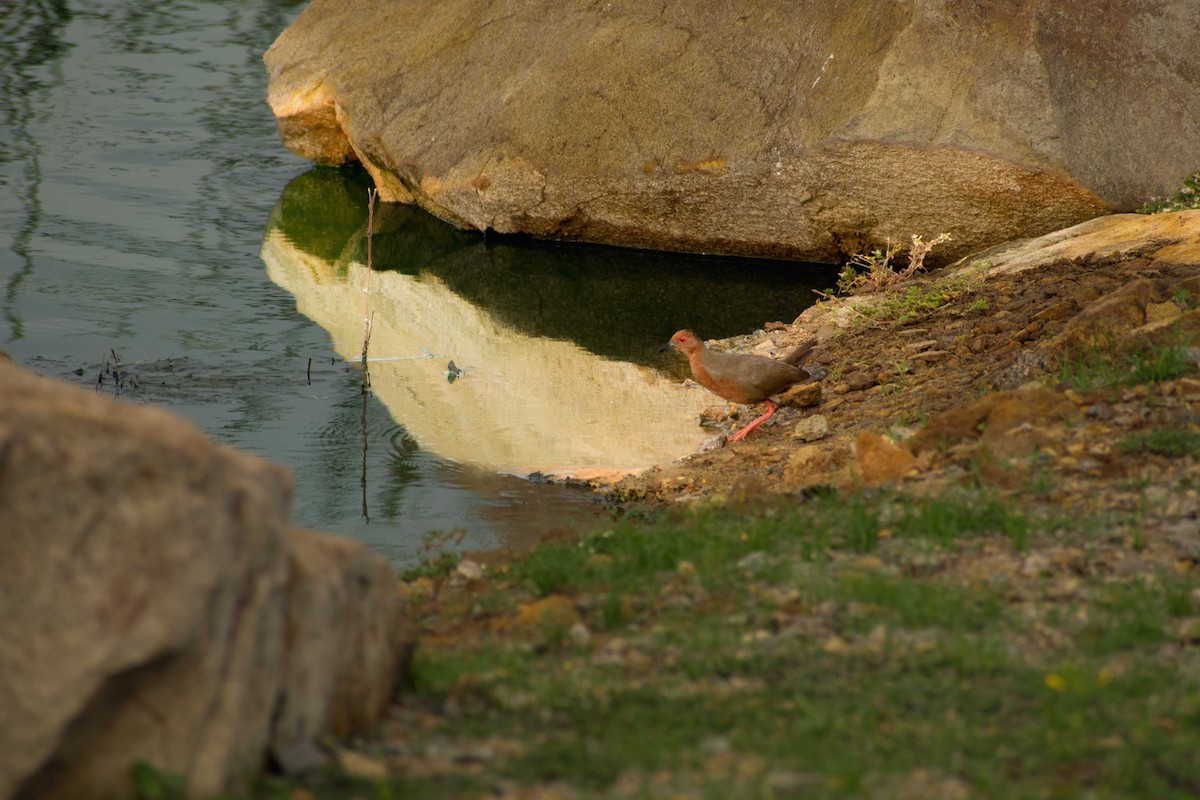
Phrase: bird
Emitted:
{"points": [[742, 377]]}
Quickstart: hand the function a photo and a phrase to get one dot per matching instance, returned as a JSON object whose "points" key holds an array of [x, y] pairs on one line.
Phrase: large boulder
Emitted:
{"points": [[803, 131], [155, 605]]}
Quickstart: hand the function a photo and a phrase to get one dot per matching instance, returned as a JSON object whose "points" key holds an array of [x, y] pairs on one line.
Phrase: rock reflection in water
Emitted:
{"points": [[526, 404], [555, 357]]}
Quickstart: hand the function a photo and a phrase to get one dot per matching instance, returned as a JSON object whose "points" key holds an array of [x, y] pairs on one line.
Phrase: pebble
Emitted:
{"points": [[811, 429], [469, 570], [580, 635], [930, 356], [857, 381], [753, 562], [356, 765]]}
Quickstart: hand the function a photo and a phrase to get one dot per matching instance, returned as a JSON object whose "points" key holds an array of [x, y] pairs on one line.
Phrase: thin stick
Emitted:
{"points": [[366, 369], [372, 193]]}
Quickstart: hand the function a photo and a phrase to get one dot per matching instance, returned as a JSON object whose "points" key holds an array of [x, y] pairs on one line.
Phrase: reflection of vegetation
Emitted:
{"points": [[403, 469], [322, 209], [612, 301]]}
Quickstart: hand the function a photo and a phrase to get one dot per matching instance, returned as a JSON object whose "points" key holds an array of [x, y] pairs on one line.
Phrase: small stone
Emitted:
{"points": [[716, 746], [857, 381], [835, 645], [1188, 629], [880, 461], [299, 758], [469, 570], [916, 347], [811, 429], [793, 784], [356, 765], [1186, 387], [877, 639], [714, 413], [753, 562], [1060, 310], [803, 457], [1031, 331], [929, 356], [1161, 312], [805, 395], [676, 601], [550, 613], [1035, 564], [579, 635]]}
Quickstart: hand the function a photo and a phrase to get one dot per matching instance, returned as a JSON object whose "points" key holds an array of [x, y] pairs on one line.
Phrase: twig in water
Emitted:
{"points": [[116, 370], [368, 317]]}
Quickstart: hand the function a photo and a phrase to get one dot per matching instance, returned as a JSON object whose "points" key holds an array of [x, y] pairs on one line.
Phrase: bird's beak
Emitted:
{"points": [[667, 346]]}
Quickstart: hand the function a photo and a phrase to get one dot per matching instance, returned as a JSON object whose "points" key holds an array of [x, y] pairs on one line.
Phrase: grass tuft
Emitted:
{"points": [[1173, 443], [1107, 369], [1188, 197]]}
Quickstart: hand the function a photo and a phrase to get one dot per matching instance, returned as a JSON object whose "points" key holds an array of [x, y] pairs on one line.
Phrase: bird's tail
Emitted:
{"points": [[797, 356]]}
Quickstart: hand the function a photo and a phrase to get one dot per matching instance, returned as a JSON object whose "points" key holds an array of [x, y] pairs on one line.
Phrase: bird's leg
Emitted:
{"points": [[772, 407]]}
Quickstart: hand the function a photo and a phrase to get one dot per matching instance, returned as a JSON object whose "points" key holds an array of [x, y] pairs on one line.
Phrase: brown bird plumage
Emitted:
{"points": [[742, 378]]}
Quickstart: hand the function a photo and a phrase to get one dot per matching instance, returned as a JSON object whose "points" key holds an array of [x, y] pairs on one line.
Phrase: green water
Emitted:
{"points": [[140, 169]]}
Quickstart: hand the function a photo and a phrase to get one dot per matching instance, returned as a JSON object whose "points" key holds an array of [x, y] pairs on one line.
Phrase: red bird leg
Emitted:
{"points": [[772, 407]]}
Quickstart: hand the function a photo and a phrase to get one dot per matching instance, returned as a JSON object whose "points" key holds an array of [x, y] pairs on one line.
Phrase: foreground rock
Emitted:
{"points": [[155, 606], [804, 132]]}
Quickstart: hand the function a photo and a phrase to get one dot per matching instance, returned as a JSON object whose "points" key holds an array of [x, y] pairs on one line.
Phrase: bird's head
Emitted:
{"points": [[685, 341]]}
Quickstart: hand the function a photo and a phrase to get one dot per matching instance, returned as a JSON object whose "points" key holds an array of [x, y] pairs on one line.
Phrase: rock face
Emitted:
{"points": [[772, 129], [155, 606]]}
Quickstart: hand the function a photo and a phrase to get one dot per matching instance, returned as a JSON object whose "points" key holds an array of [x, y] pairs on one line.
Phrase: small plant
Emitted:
{"points": [[873, 271], [899, 308], [1115, 370], [979, 306], [868, 271], [150, 783], [1170, 443], [903, 371], [436, 561], [1187, 197]]}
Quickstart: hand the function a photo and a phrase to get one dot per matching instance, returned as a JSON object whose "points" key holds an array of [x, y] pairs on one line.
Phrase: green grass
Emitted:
{"points": [[1188, 197], [915, 301], [807, 657], [1113, 369], [1173, 443], [624, 556], [783, 706]]}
